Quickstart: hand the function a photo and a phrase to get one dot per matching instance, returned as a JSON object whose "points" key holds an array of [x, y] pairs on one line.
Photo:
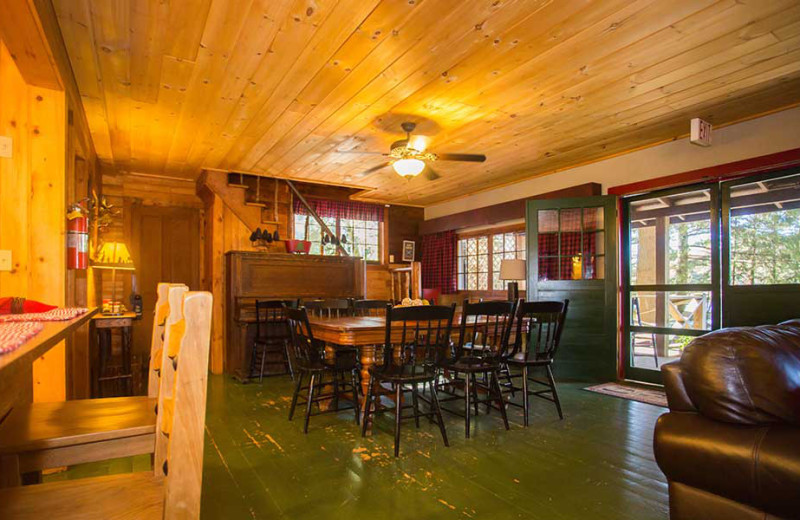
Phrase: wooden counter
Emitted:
{"points": [[16, 367]]}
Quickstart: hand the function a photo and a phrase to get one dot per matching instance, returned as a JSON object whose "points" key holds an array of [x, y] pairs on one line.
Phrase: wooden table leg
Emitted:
{"points": [[367, 360]]}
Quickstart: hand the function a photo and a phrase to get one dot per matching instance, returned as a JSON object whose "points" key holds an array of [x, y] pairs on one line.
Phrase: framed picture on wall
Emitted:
{"points": [[409, 247]]}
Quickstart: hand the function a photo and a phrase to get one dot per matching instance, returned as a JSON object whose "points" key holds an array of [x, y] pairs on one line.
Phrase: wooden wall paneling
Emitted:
{"points": [[14, 176], [47, 207]]}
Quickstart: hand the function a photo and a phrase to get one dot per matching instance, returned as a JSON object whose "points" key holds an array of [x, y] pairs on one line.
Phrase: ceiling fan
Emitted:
{"points": [[409, 158]]}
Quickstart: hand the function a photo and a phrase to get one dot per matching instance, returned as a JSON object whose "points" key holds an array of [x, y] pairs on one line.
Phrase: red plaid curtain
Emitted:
{"points": [[345, 209], [439, 262]]}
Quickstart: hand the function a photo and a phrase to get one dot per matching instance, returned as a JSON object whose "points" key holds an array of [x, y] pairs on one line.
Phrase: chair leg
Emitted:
{"points": [[438, 410], [398, 414], [367, 405], [525, 396], [263, 359], [467, 403], [507, 372], [335, 377], [310, 401], [288, 359], [475, 393], [555, 392], [496, 385], [415, 401], [296, 394], [356, 403]]}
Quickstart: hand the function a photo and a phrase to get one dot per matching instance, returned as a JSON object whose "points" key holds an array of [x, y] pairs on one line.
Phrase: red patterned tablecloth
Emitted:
{"points": [[14, 335], [61, 314]]}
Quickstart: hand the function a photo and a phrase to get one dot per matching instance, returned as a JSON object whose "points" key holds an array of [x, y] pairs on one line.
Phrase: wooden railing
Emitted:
{"points": [[406, 281]]}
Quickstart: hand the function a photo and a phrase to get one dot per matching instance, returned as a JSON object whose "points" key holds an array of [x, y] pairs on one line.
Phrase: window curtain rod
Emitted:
{"points": [[316, 217]]}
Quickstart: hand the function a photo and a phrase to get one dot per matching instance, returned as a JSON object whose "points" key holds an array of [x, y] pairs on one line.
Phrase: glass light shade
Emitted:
{"points": [[408, 167]]}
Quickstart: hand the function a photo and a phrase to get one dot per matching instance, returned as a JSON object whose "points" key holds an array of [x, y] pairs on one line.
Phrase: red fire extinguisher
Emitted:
{"points": [[77, 238]]}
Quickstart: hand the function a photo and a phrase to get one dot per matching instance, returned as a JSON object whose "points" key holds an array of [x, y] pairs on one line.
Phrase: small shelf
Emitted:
{"points": [[233, 185]]}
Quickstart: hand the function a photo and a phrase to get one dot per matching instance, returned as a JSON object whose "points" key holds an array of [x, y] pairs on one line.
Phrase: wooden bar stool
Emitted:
{"points": [[173, 489], [47, 435]]}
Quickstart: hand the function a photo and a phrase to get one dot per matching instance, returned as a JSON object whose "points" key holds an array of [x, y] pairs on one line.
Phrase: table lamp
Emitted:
{"points": [[513, 270], [113, 255]]}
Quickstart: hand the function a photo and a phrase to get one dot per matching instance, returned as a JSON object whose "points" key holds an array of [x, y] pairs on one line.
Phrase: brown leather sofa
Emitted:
{"points": [[730, 444]]}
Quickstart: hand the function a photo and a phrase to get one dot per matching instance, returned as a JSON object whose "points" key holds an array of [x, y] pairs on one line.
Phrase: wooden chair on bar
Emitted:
{"points": [[329, 308], [39, 436], [539, 328], [172, 490]]}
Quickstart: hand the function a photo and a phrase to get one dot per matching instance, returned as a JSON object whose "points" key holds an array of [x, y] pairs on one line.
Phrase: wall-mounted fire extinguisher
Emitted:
{"points": [[77, 238]]}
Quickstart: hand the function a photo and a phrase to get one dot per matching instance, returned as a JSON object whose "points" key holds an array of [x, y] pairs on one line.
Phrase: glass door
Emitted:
{"points": [[670, 276], [572, 255], [761, 251]]}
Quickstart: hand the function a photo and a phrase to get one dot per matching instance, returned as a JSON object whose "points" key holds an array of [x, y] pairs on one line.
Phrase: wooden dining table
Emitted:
{"points": [[367, 333]]}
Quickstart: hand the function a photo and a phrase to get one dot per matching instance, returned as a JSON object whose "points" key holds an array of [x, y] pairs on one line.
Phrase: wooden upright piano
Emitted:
{"points": [[255, 276]]}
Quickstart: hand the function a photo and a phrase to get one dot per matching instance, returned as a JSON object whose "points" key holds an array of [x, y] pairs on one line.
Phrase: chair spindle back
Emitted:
{"points": [[418, 336], [486, 327], [539, 328]]}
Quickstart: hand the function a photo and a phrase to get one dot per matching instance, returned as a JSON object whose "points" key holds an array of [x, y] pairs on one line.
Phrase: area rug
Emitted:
{"points": [[654, 396]]}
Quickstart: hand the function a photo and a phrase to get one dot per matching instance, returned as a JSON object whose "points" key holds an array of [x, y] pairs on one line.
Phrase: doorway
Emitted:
{"points": [[702, 257], [166, 246]]}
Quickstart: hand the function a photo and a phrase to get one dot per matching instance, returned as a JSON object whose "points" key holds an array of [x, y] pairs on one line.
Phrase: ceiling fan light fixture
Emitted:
{"points": [[408, 167]]}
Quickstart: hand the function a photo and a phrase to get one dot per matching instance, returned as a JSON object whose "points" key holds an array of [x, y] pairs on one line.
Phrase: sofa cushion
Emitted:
{"points": [[747, 375], [754, 465]]}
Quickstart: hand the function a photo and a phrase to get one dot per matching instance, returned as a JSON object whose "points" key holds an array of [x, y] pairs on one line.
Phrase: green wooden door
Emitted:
{"points": [[571, 248]]}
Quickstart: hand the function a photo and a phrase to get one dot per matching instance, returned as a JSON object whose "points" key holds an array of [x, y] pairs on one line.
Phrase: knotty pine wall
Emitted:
{"points": [[53, 163]]}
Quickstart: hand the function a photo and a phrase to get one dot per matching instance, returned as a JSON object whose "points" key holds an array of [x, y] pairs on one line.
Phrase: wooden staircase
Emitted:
{"points": [[257, 201]]}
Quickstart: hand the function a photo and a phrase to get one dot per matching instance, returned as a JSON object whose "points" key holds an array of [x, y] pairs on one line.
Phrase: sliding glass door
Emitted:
{"points": [[707, 256], [670, 278]]}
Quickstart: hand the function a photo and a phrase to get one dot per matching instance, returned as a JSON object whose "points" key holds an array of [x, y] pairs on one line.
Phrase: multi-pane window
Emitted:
{"points": [[473, 264], [506, 246], [480, 258], [361, 237], [571, 244]]}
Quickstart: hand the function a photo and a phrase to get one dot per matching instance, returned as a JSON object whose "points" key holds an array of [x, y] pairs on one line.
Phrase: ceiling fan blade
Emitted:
{"points": [[373, 169], [431, 174], [467, 157]]}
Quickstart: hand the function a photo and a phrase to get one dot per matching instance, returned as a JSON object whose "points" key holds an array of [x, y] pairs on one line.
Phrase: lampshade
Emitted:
{"points": [[113, 255], [512, 269], [408, 167]]}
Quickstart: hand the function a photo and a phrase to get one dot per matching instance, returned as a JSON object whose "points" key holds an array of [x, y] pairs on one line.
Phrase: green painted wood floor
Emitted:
{"points": [[595, 464]]}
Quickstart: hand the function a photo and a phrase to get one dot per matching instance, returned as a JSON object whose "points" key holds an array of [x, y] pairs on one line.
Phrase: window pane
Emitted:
{"points": [[645, 346], [671, 239], [571, 220], [548, 220], [593, 219], [677, 310], [765, 232]]}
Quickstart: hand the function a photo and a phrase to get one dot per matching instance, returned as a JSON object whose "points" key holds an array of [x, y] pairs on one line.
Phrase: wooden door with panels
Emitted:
{"points": [[572, 246], [166, 247]]}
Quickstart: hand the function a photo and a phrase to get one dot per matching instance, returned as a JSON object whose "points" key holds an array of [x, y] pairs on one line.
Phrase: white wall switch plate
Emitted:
{"points": [[5, 146], [5, 260]]}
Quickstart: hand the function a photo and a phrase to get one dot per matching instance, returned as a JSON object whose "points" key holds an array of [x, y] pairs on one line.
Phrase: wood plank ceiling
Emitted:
{"points": [[282, 86]]}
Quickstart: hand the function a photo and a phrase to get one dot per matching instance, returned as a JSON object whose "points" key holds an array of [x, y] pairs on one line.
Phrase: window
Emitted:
{"points": [[506, 246], [355, 224], [765, 232], [476, 272], [571, 244], [473, 264]]}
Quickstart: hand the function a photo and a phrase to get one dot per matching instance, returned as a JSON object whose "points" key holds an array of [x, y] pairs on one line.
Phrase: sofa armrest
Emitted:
{"points": [[677, 397]]}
